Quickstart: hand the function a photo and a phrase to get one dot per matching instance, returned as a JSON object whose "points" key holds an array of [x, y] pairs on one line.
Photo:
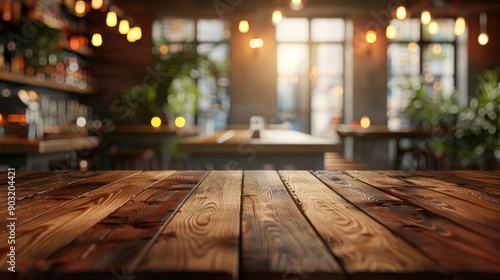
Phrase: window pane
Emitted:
{"points": [[178, 30], [210, 30], [327, 30], [439, 30], [328, 60], [439, 59], [404, 59], [216, 52], [327, 104], [407, 30], [292, 30], [293, 59]]}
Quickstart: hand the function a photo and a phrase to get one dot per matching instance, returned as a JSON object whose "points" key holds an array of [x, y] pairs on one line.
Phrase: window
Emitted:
{"points": [[311, 72], [208, 37], [417, 50]]}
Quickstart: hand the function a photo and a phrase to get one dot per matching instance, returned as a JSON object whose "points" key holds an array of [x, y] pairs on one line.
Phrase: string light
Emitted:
{"points": [[425, 17], [243, 26], [80, 8], [96, 40], [124, 26], [433, 27], [96, 4], [459, 26], [296, 5], [111, 19], [134, 34], [277, 16], [483, 37], [256, 43], [391, 32], [401, 13]]}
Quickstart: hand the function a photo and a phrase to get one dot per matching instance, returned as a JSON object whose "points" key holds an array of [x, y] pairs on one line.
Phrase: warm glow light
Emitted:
{"points": [[401, 13], [296, 5], [74, 43], [243, 27], [124, 26], [256, 43], [180, 122], [425, 17], [483, 39], [390, 32], [96, 4], [111, 19], [163, 49], [428, 77], [459, 26], [437, 49], [80, 8], [134, 34], [365, 122], [433, 28], [277, 16], [155, 122], [96, 40], [413, 47], [371, 36], [1, 118]]}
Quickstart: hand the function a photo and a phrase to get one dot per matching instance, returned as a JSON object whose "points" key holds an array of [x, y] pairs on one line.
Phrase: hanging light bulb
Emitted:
{"points": [[80, 8], [401, 13], [433, 27], [459, 26], [371, 36], [96, 4], [111, 19], [425, 17], [296, 5], [134, 34], [124, 26], [96, 40], [277, 16], [483, 36], [391, 32], [243, 26]]}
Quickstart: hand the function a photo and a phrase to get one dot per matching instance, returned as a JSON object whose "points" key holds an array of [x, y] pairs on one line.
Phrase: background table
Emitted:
{"points": [[276, 149], [254, 225], [27, 154]]}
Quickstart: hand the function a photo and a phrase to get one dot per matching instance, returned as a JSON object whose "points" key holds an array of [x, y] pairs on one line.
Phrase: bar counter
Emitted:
{"points": [[251, 225]]}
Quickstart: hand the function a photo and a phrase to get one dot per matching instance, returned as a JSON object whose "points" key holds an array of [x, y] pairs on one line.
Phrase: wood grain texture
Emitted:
{"points": [[360, 242], [490, 177], [44, 235], [455, 248], [61, 191], [458, 190], [119, 238], [203, 236], [476, 218], [489, 189], [277, 241], [31, 179]]}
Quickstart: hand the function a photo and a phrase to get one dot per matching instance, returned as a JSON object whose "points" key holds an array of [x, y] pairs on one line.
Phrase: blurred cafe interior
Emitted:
{"points": [[249, 84]]}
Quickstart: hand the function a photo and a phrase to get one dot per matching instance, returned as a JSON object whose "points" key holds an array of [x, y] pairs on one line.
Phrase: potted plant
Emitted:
{"points": [[468, 135]]}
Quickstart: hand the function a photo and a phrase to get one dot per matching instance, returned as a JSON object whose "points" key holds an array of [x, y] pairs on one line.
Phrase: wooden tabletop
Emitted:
{"points": [[44, 146], [252, 225], [271, 142]]}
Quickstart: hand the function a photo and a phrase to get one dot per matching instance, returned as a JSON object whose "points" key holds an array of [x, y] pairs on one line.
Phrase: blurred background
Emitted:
{"points": [[101, 84]]}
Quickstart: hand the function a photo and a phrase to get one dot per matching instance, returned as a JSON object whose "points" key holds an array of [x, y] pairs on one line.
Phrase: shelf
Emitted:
{"points": [[32, 81]]}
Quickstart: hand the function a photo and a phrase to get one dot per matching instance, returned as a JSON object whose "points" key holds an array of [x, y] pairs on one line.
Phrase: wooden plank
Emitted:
{"points": [[29, 179], [476, 218], [43, 236], [490, 189], [362, 244], [60, 192], [277, 241], [202, 239], [119, 238], [457, 189], [457, 249], [490, 177]]}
